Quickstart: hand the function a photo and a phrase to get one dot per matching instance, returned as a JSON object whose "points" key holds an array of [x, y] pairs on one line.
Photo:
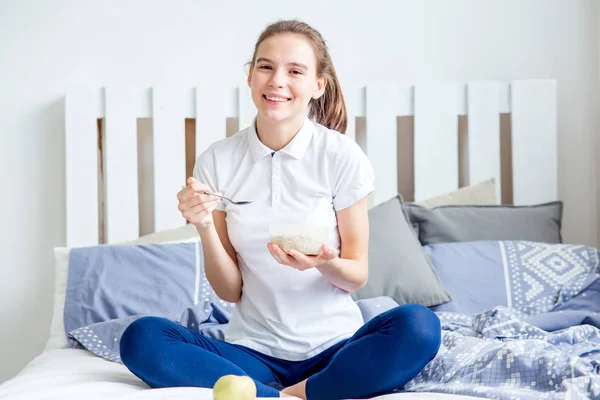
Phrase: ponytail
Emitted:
{"points": [[329, 110]]}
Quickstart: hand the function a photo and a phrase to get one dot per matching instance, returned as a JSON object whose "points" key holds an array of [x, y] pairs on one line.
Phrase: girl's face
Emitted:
{"points": [[283, 78]]}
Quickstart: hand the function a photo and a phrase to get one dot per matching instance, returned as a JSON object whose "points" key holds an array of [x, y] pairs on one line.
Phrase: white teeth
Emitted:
{"points": [[278, 99]]}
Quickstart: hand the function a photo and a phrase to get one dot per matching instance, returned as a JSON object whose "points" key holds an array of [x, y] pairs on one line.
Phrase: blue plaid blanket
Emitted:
{"points": [[497, 355]]}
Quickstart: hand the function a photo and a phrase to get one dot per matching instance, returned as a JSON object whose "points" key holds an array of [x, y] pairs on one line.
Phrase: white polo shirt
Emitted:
{"points": [[283, 312]]}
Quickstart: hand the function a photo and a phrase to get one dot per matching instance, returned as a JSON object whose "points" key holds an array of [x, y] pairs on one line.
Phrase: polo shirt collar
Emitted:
{"points": [[295, 148]]}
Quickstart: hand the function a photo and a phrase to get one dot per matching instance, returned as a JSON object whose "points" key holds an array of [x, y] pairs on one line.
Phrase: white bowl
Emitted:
{"points": [[305, 238]]}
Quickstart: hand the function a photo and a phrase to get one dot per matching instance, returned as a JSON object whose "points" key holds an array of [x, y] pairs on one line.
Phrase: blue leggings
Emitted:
{"points": [[381, 356]]}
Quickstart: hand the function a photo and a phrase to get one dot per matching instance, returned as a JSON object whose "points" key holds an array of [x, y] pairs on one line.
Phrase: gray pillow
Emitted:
{"points": [[398, 265], [444, 224]]}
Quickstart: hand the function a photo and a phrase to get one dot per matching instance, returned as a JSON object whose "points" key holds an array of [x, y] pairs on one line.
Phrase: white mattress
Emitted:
{"points": [[69, 374]]}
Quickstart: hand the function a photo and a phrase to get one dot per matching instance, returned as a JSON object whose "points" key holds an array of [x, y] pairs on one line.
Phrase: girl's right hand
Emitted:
{"points": [[196, 207]]}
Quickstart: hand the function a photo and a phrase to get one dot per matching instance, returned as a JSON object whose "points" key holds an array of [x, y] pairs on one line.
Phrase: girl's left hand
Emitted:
{"points": [[300, 261]]}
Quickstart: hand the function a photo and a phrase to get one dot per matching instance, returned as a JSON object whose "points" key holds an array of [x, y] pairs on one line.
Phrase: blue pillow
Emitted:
{"points": [[524, 276], [370, 308], [112, 282]]}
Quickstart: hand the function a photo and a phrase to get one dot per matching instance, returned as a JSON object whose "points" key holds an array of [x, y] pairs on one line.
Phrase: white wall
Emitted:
{"points": [[45, 46], [596, 103]]}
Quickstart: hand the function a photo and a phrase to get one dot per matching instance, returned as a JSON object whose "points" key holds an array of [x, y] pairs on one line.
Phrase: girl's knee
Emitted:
{"points": [[138, 336], [421, 323], [414, 313]]}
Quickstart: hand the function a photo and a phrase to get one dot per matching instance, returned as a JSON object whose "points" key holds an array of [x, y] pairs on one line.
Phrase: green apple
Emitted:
{"points": [[234, 387]]}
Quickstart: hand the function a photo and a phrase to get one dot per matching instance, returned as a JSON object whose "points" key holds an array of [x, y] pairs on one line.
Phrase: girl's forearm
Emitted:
{"points": [[221, 271], [347, 274]]}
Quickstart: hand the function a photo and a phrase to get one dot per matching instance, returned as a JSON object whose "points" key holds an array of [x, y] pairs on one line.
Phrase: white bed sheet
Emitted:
{"points": [[69, 374]]}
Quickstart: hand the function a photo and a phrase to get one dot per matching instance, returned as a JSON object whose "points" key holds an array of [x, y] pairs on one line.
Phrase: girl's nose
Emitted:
{"points": [[277, 80]]}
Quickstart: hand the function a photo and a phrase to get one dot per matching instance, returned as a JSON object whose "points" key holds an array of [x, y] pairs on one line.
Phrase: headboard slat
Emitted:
{"points": [[81, 148], [121, 165], [534, 141], [211, 117], [168, 132], [355, 107], [246, 108], [483, 109], [382, 104], [436, 139]]}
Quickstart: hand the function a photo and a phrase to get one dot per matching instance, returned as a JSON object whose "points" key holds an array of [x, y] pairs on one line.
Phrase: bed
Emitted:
{"points": [[464, 219], [77, 374]]}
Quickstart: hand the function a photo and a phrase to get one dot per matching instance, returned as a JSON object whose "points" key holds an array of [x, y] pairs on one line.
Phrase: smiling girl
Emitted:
{"points": [[295, 329]]}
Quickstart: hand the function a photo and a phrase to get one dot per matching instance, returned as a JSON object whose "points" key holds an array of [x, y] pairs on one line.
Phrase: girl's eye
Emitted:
{"points": [[264, 67], [296, 72]]}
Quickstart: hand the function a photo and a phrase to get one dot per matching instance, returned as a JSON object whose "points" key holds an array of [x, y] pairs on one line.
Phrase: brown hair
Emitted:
{"points": [[330, 109]]}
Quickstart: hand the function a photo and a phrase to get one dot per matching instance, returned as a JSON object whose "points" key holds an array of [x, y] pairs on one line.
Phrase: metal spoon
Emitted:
{"points": [[239, 203]]}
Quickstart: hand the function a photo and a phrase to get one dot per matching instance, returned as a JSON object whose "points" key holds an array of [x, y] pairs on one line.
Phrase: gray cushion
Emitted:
{"points": [[398, 265], [536, 223]]}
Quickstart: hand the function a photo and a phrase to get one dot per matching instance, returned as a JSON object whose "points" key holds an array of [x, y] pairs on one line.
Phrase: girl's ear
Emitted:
{"points": [[250, 76], [320, 88]]}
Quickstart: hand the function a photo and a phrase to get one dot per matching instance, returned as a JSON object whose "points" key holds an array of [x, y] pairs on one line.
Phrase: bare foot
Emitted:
{"points": [[297, 390]]}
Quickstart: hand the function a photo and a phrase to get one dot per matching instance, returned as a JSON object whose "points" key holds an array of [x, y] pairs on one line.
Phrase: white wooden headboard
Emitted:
{"points": [[375, 121]]}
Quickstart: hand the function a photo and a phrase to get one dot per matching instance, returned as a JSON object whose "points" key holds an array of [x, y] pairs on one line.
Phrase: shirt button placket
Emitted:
{"points": [[276, 181]]}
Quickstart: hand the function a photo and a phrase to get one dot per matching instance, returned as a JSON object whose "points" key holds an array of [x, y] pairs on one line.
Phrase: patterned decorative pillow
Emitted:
{"points": [[528, 277], [104, 338]]}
